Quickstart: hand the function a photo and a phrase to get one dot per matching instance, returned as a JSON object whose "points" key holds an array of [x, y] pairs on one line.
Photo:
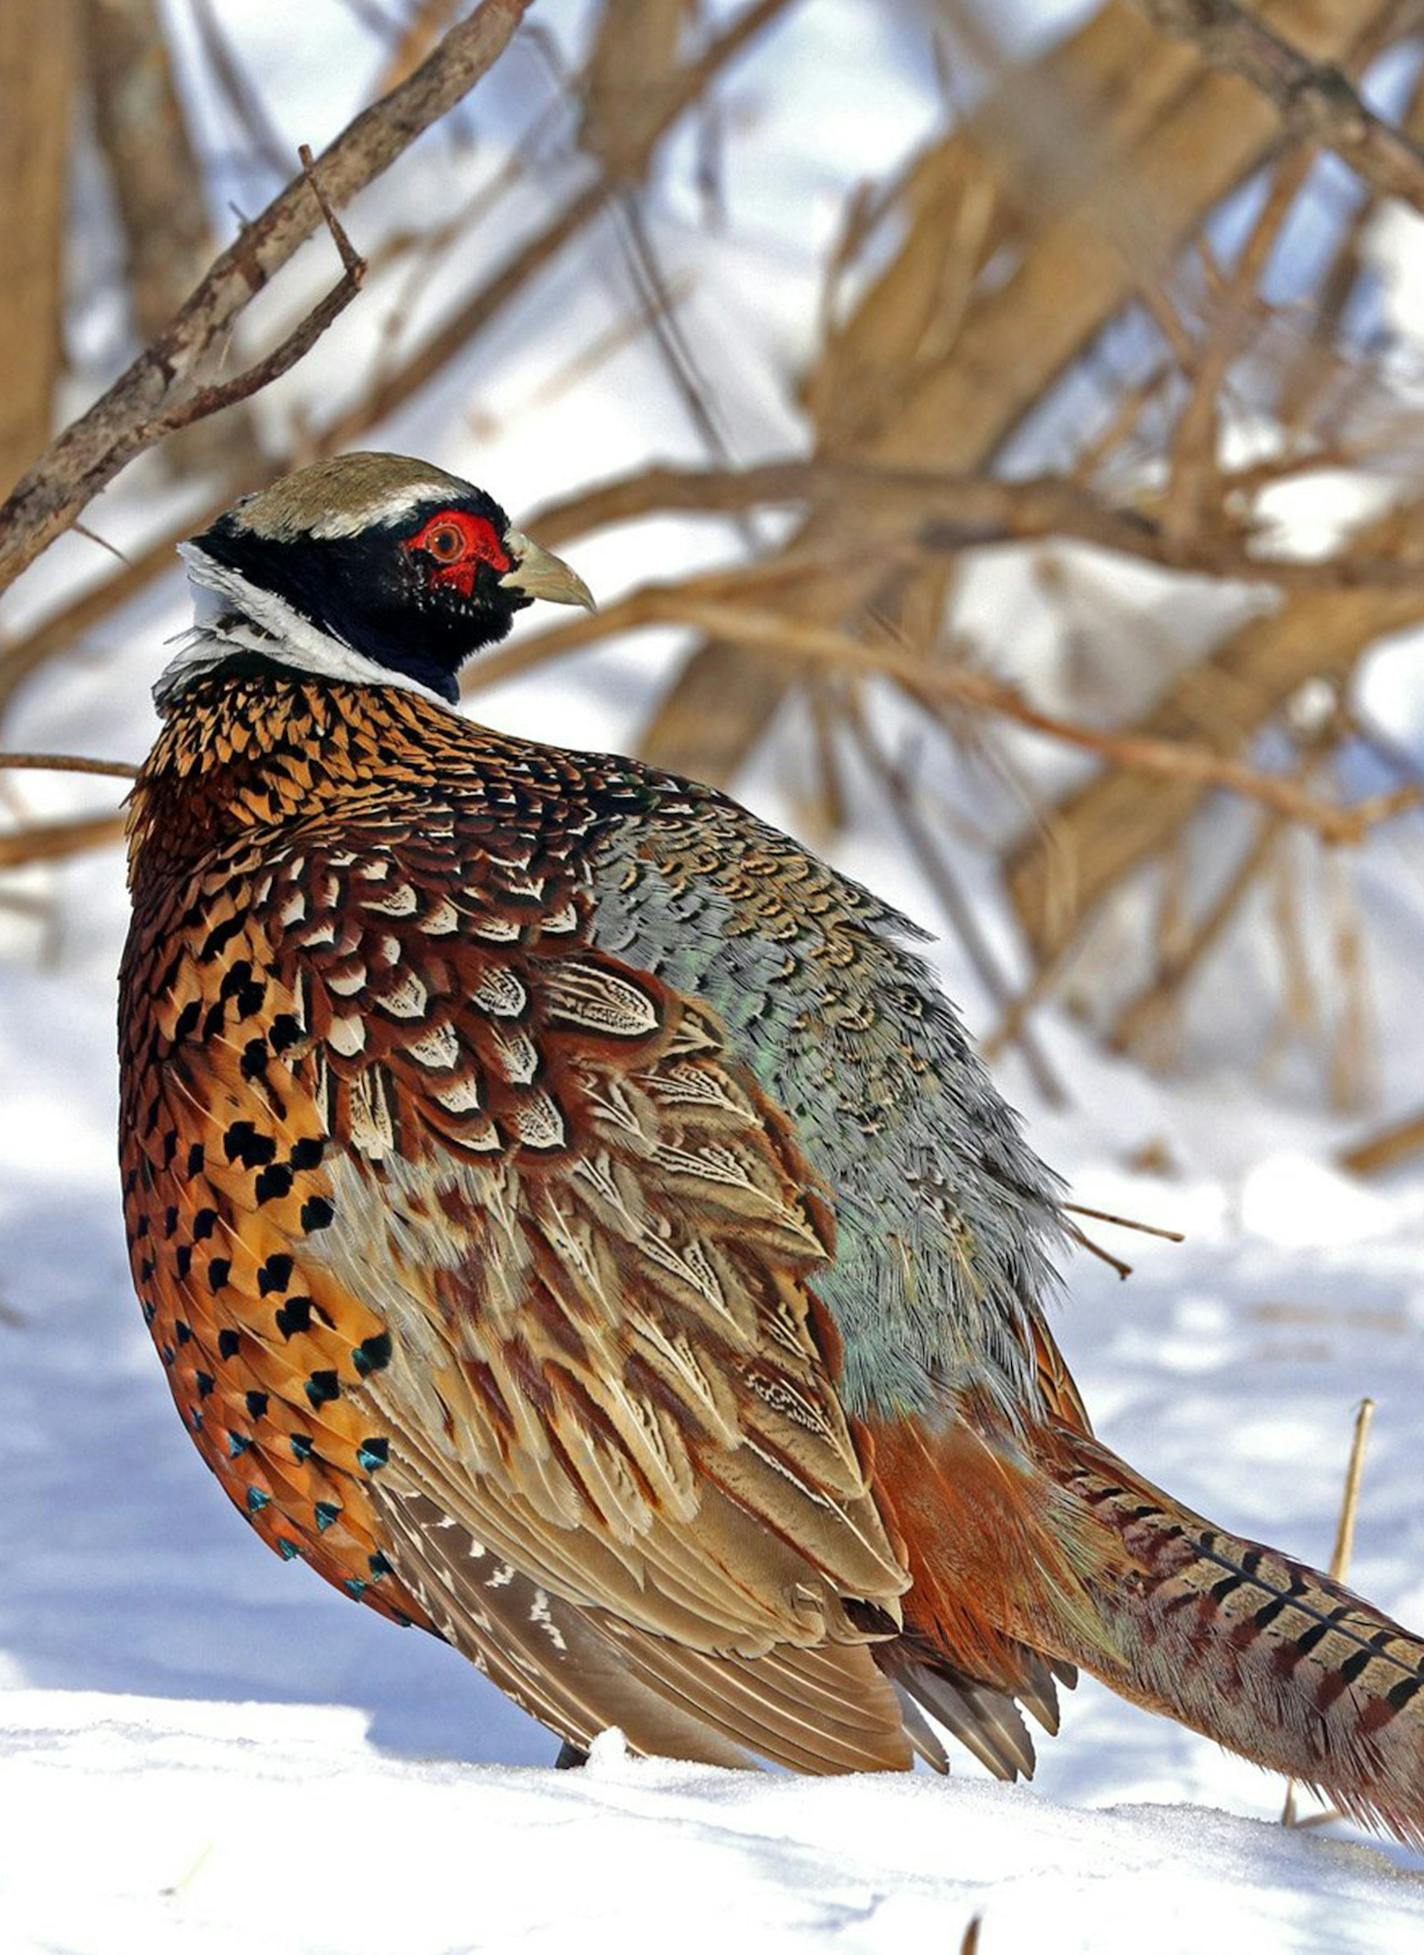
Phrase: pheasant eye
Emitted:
{"points": [[445, 542], [452, 544]]}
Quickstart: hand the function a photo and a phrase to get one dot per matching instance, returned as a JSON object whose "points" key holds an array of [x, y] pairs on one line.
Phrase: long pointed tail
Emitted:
{"points": [[1253, 1649]]}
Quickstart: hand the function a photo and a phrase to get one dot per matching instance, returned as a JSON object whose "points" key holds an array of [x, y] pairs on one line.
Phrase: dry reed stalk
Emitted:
{"points": [[1110, 826], [1174, 764], [1352, 1031], [37, 63], [1165, 131], [1340, 1558], [1399, 1141], [1299, 1015], [1138, 1021]]}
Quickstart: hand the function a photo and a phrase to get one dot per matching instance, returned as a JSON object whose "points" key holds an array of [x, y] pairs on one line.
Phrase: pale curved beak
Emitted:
{"points": [[538, 573]]}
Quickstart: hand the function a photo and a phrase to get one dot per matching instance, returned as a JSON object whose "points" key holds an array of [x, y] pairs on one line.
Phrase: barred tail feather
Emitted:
{"points": [[1237, 1641]]}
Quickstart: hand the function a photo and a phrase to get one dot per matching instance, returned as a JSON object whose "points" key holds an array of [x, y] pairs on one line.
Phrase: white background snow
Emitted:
{"points": [[203, 1748]]}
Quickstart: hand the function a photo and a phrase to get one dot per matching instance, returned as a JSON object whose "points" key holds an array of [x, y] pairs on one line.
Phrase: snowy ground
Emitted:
{"points": [[224, 1827], [203, 1748]]}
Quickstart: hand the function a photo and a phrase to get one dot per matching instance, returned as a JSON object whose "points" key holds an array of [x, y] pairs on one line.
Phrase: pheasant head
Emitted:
{"points": [[368, 567]]}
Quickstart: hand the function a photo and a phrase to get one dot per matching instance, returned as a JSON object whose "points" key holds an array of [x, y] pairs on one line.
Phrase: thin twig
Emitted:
{"points": [[1124, 1222], [102, 542], [488, 302], [677, 354], [237, 91], [52, 841], [1123, 1270], [70, 763]]}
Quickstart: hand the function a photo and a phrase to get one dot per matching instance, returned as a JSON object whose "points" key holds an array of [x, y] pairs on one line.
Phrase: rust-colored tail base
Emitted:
{"points": [[1058, 1548]]}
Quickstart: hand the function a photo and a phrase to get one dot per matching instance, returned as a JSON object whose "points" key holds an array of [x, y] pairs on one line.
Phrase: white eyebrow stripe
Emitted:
{"points": [[387, 510]]}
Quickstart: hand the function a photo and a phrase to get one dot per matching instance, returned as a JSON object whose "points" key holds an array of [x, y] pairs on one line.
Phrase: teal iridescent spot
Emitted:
{"points": [[356, 1588], [379, 1566], [373, 1453], [237, 1443], [288, 1550], [257, 1500], [301, 1447], [327, 1511]]}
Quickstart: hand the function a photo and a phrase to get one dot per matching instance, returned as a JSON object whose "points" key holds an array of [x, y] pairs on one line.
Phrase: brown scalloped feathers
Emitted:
{"points": [[485, 1272]]}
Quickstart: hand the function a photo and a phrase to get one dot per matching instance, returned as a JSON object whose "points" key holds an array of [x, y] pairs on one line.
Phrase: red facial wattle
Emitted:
{"points": [[455, 544]]}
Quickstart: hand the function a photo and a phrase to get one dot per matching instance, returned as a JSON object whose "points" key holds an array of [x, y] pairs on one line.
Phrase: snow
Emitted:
{"points": [[225, 1827], [202, 1747]]}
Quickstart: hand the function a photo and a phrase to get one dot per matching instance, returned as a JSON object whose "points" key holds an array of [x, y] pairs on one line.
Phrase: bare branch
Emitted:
{"points": [[455, 333], [70, 763], [937, 511], [298, 343], [92, 449], [53, 841], [791, 641], [1315, 100]]}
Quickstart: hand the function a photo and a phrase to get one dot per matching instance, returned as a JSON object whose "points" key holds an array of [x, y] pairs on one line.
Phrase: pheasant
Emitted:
{"points": [[574, 1222]]}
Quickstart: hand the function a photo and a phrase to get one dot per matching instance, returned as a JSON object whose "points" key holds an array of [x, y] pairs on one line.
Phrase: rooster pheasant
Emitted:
{"points": [[574, 1222]]}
